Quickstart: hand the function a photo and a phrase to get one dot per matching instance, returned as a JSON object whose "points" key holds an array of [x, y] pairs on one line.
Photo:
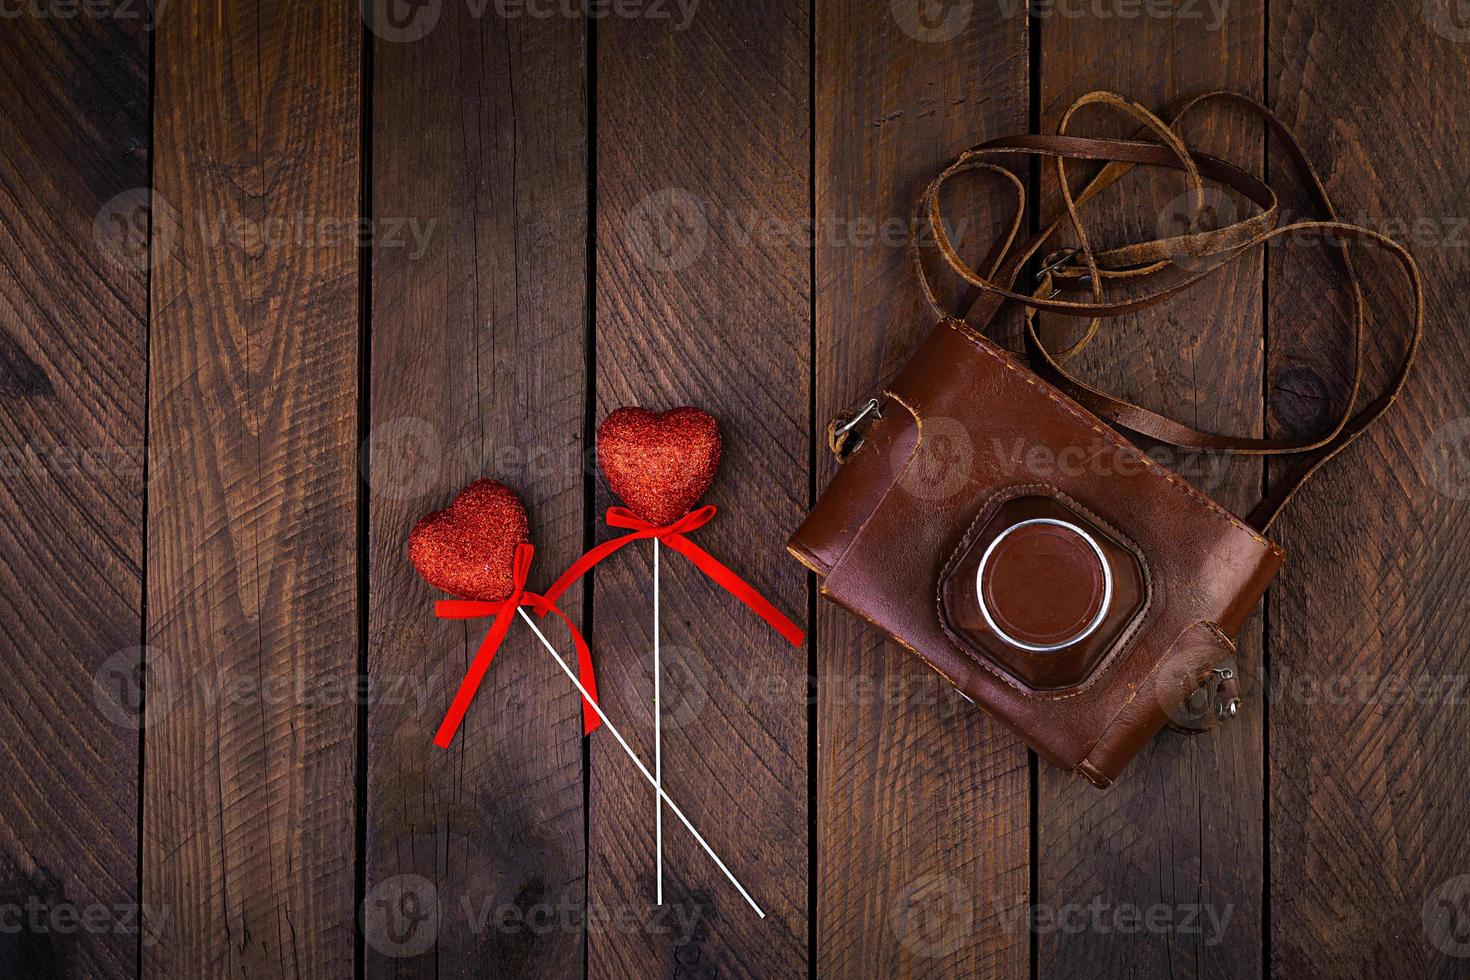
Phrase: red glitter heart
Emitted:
{"points": [[467, 548], [660, 465]]}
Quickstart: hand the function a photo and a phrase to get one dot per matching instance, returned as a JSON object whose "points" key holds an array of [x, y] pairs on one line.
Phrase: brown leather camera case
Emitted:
{"points": [[883, 535], [992, 522]]}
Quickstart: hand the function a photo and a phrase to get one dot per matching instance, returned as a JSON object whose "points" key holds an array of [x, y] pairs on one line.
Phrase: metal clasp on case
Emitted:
{"points": [[1214, 701], [840, 430]]}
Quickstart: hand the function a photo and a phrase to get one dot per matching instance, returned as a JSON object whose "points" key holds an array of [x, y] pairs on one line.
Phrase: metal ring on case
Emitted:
{"points": [[1088, 630]]}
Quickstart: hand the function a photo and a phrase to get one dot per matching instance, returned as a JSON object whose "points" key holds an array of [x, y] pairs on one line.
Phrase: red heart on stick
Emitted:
{"points": [[467, 548], [660, 465]]}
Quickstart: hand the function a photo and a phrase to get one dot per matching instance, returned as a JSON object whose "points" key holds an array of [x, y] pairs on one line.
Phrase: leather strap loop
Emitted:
{"points": [[1170, 139], [1211, 248]]}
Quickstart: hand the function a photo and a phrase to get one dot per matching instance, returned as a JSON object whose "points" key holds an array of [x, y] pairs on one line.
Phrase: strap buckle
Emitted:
{"points": [[1055, 260]]}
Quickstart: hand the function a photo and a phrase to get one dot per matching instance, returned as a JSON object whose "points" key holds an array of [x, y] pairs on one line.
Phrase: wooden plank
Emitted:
{"points": [[703, 299], [1179, 836], [1369, 835], [73, 332], [249, 783], [923, 802], [478, 369]]}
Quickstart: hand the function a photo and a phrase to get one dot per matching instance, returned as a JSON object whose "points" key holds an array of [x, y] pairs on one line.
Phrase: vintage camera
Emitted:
{"points": [[1084, 606]]}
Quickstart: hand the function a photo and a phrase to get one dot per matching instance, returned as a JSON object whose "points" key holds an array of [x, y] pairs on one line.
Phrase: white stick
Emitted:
{"points": [[658, 750], [638, 762]]}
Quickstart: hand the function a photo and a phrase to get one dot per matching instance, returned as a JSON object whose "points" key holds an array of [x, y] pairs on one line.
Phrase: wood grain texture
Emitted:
{"points": [[249, 780], [478, 370], [73, 299], [756, 165], [1180, 835], [923, 835], [703, 298], [1369, 832]]}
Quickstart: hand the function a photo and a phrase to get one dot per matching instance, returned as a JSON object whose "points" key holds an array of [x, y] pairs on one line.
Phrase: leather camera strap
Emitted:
{"points": [[1082, 267]]}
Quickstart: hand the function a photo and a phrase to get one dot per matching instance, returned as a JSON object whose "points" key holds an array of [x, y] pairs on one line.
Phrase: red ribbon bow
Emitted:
{"points": [[673, 536], [504, 611]]}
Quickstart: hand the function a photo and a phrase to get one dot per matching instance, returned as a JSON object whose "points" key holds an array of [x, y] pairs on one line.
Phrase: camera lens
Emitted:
{"points": [[1044, 584]]}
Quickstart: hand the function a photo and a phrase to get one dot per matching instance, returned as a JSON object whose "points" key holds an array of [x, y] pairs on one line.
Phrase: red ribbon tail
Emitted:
{"points": [[737, 587], [585, 673], [468, 687]]}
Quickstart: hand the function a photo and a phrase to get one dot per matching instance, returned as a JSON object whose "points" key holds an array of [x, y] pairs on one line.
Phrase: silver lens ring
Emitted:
{"points": [[1085, 632]]}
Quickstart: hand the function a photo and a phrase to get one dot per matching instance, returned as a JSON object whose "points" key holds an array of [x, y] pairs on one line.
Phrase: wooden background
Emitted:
{"points": [[276, 278]]}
